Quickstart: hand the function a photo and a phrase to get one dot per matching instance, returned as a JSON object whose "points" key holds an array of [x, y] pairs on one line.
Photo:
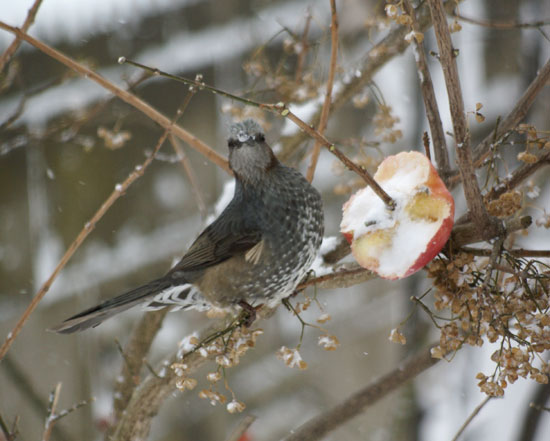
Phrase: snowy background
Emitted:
{"points": [[52, 179]]}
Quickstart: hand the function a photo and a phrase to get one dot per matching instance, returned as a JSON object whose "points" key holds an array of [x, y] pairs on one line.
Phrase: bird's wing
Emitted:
{"points": [[224, 238]]}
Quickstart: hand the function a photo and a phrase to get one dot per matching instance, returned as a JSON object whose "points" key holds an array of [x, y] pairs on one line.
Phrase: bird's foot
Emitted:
{"points": [[250, 312]]}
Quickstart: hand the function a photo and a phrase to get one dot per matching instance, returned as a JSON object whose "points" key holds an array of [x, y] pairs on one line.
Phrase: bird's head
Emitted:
{"points": [[249, 155]]}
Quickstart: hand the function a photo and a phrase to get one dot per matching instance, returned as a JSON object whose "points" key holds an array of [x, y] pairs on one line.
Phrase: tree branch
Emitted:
{"points": [[125, 96], [428, 95], [134, 353], [8, 53], [472, 192], [519, 175], [516, 115], [471, 417], [119, 190], [328, 94], [389, 47], [326, 422], [467, 233]]}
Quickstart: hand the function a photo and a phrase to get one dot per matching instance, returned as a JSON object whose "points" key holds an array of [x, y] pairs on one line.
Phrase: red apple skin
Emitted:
{"points": [[435, 246], [437, 188]]}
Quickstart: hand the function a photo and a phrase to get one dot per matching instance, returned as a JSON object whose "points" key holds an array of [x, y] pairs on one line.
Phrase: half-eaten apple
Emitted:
{"points": [[397, 243]]}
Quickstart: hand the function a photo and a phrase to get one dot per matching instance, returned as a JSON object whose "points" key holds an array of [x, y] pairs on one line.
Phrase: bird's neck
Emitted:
{"points": [[251, 177]]}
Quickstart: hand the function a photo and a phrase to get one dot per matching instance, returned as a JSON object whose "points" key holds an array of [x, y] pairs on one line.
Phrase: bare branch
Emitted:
{"points": [[428, 95], [381, 53], [197, 193], [8, 53], [119, 190], [328, 94], [471, 417], [468, 233], [50, 420], [520, 252], [534, 416], [340, 278], [519, 175], [134, 353], [516, 115], [9, 434], [147, 398], [125, 96], [304, 48], [19, 378], [462, 135], [324, 423], [338, 153], [502, 25], [282, 110]]}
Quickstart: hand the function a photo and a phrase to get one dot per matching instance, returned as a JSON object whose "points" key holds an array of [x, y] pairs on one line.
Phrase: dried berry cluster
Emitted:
{"points": [[227, 353], [503, 300]]}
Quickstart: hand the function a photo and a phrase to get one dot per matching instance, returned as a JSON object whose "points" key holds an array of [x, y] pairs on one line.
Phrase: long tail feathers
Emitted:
{"points": [[92, 317]]}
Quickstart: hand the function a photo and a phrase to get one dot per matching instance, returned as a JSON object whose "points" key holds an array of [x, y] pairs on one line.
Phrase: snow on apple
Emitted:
{"points": [[397, 243]]}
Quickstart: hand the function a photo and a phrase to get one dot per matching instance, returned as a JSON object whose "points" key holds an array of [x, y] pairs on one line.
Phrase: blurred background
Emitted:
{"points": [[65, 143]]}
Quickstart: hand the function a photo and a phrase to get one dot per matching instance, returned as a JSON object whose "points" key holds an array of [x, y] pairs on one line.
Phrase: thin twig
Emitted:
{"points": [[379, 191], [470, 418], [119, 190], [9, 434], [516, 253], [50, 419], [125, 96], [519, 175], [26, 388], [8, 53], [379, 55], [146, 400], [241, 428], [324, 423], [328, 94], [282, 110], [304, 48], [195, 187], [472, 192], [503, 25], [516, 115], [428, 95], [340, 278], [136, 349]]}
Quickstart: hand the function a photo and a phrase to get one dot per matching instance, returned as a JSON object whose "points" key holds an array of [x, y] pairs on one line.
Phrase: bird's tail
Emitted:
{"points": [[94, 316]]}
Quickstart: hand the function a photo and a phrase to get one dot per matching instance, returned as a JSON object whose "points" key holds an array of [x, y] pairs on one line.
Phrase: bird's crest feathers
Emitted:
{"points": [[244, 130]]}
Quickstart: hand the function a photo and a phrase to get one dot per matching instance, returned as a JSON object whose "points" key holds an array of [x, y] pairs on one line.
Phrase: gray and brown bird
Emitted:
{"points": [[256, 251]]}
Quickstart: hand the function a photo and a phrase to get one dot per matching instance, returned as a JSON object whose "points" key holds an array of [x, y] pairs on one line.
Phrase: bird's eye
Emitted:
{"points": [[260, 137], [231, 142]]}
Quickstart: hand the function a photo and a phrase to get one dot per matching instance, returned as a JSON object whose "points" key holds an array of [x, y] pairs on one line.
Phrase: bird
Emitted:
{"points": [[255, 252]]}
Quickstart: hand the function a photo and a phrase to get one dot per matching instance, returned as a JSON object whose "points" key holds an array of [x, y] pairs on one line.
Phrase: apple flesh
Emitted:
{"points": [[397, 243]]}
